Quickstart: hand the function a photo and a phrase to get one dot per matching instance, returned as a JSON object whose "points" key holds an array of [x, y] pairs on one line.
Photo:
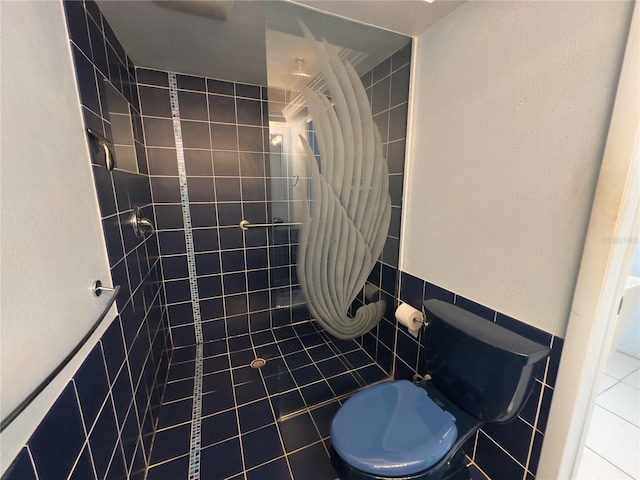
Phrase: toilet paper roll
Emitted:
{"points": [[410, 318]]}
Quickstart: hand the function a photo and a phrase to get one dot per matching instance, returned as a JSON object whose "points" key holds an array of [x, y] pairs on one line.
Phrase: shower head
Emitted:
{"points": [[298, 79]]}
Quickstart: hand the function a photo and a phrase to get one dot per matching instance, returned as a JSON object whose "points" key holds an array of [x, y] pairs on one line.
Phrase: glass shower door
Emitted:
{"points": [[329, 206]]}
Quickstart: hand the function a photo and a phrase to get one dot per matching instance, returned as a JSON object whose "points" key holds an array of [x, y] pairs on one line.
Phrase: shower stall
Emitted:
{"points": [[308, 214]]}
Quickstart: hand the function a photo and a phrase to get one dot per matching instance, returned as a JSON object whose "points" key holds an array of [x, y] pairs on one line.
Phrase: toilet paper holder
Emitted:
{"points": [[426, 321]]}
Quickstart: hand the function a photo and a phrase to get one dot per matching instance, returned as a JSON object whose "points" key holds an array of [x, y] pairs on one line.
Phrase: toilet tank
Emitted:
{"points": [[482, 367]]}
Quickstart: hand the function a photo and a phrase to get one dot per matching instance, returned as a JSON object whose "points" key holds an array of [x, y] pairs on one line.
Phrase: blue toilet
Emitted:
{"points": [[481, 373]]}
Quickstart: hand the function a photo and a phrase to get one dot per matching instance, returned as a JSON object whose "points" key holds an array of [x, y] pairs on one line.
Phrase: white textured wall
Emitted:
{"points": [[52, 247], [511, 105]]}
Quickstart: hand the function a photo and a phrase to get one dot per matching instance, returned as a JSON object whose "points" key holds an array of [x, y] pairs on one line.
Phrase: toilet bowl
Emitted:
{"points": [[398, 429], [481, 373]]}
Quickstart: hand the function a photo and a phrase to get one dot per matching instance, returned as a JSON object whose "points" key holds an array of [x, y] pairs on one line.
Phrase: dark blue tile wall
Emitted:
{"points": [[387, 86], [224, 133], [102, 424], [507, 451], [242, 276]]}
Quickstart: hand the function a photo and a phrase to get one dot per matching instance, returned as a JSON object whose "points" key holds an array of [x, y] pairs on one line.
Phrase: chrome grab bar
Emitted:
{"points": [[245, 225], [97, 289]]}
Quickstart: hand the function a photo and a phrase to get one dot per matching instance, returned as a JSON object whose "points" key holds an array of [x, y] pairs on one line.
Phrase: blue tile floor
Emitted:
{"points": [[268, 423], [259, 423]]}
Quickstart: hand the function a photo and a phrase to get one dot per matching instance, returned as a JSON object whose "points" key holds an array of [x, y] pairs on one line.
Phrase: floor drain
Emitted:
{"points": [[258, 363]]}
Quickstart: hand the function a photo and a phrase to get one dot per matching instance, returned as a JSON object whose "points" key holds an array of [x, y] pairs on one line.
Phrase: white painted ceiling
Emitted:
{"points": [[166, 39], [408, 17], [225, 39]]}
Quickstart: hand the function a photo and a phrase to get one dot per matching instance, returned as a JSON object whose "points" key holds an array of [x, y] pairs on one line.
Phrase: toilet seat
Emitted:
{"points": [[392, 429]]}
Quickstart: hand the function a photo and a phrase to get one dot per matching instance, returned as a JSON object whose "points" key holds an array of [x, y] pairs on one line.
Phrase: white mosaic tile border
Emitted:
{"points": [[196, 417]]}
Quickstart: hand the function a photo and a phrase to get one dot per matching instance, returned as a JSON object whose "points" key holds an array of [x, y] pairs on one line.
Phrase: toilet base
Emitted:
{"points": [[453, 469]]}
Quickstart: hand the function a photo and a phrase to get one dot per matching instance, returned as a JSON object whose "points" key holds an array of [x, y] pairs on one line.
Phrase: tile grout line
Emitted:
{"points": [[86, 444], [617, 415], [536, 418], [336, 355], [273, 413], [608, 461], [314, 363], [222, 287], [342, 359], [33, 463], [196, 419]]}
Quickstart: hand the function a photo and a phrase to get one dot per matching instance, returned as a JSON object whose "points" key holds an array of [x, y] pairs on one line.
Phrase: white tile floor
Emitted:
{"points": [[612, 451]]}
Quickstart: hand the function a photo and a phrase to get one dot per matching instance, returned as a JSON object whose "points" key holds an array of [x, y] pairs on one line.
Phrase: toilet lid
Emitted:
{"points": [[392, 429]]}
